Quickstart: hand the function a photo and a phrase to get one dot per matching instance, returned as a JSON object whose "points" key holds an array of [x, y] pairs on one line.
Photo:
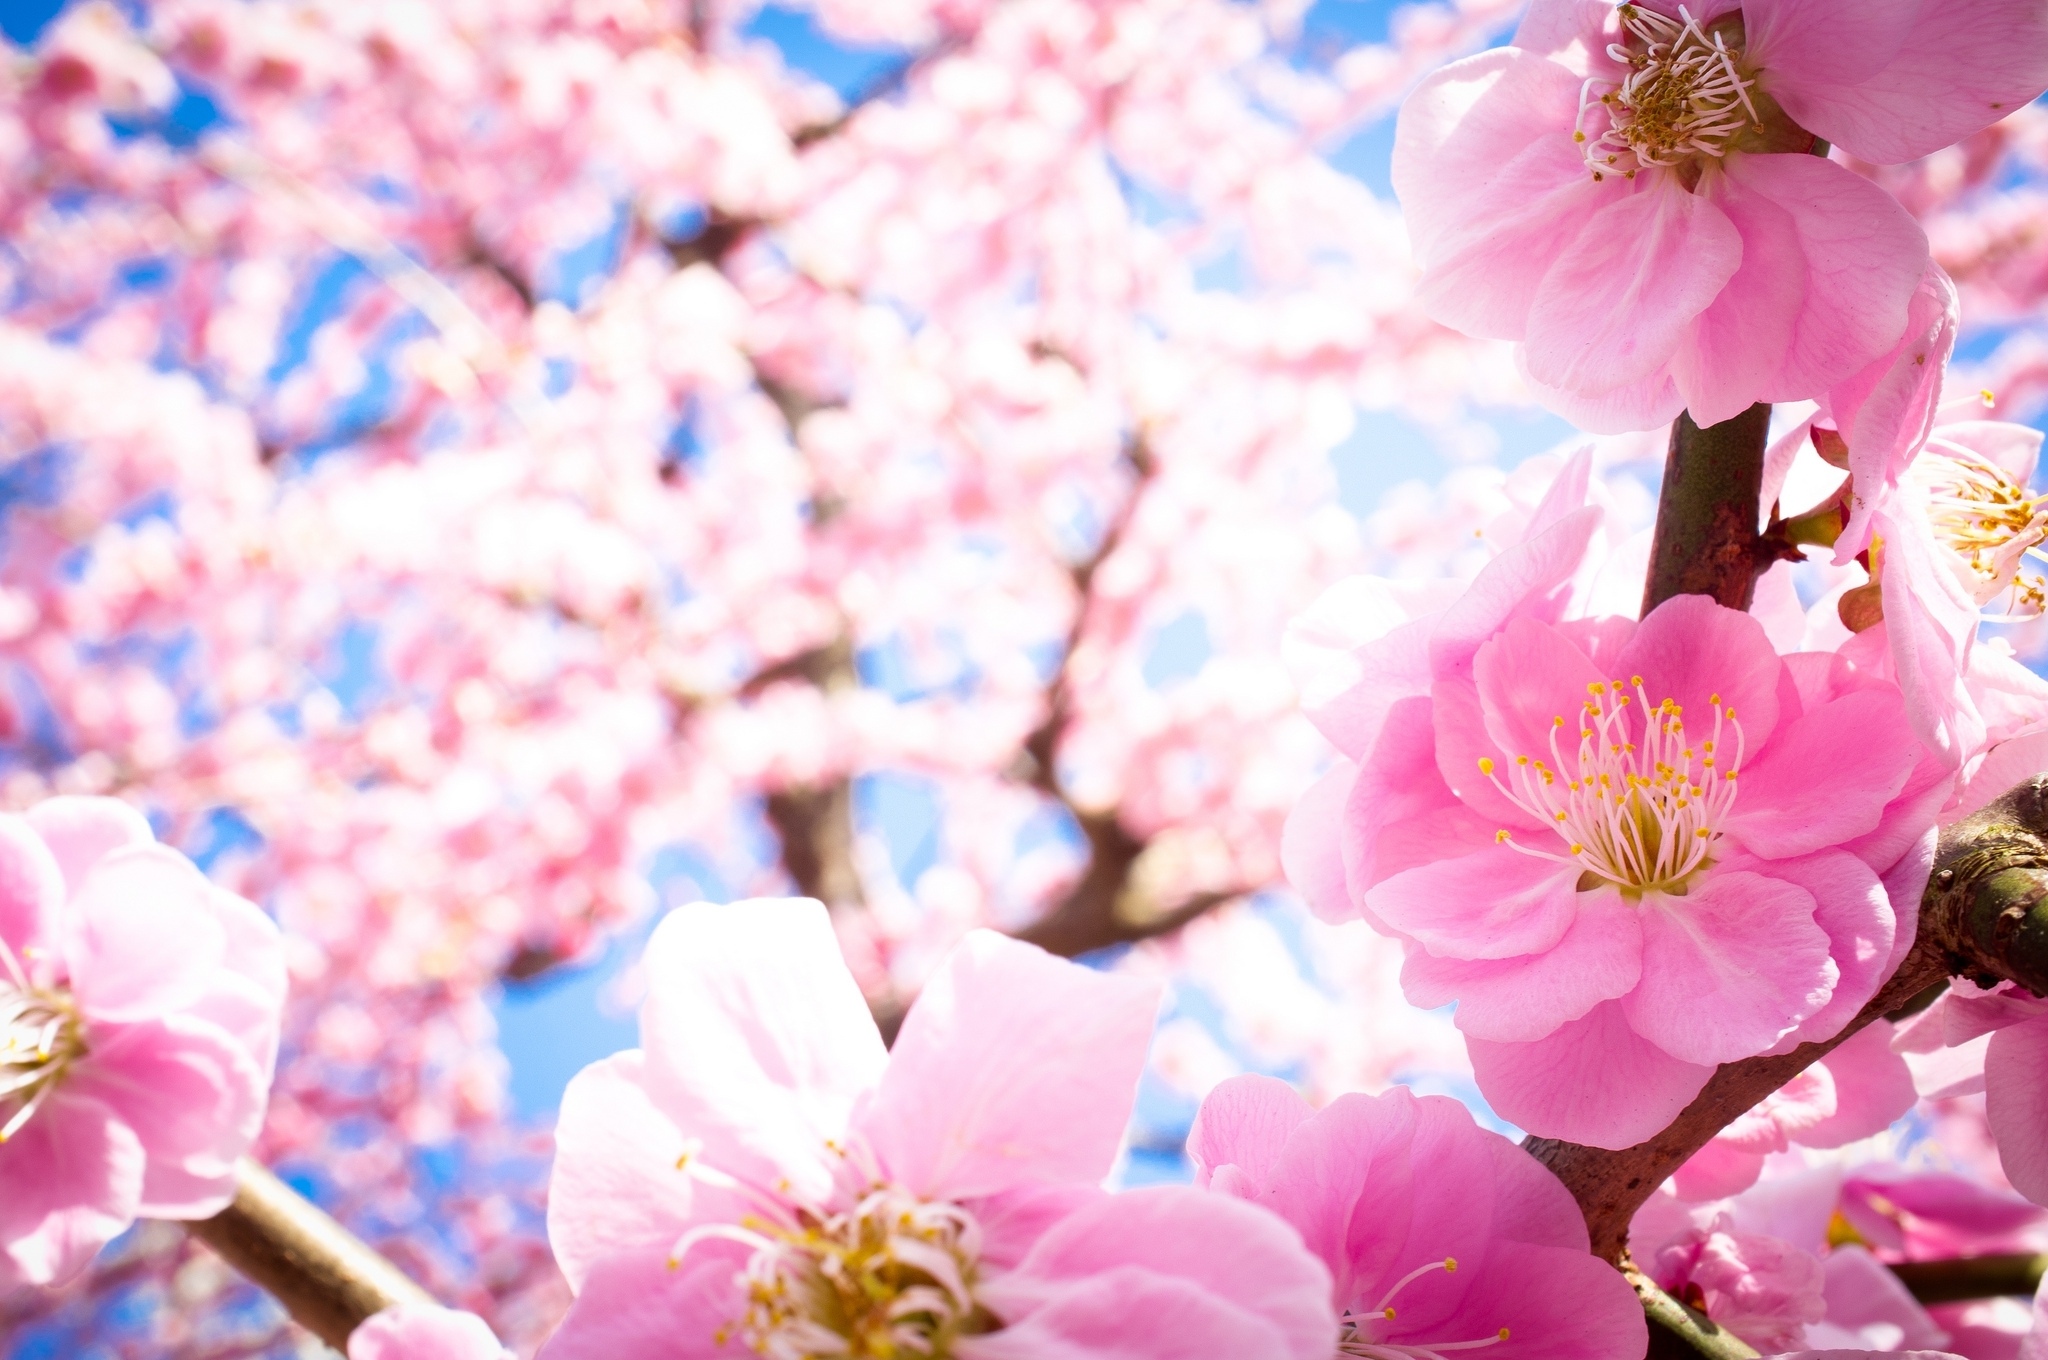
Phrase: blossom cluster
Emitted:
{"points": [[475, 476]]}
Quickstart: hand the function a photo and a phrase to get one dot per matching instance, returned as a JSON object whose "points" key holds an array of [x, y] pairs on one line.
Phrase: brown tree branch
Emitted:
{"points": [[1706, 541], [326, 1277], [1972, 1277]]}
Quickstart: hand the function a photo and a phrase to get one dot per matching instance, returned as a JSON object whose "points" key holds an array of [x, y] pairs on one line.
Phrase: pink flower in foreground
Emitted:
{"points": [[763, 1177], [422, 1333], [2015, 1071], [1439, 1235], [1630, 191], [139, 1012], [1628, 851], [1854, 1092], [1762, 1289]]}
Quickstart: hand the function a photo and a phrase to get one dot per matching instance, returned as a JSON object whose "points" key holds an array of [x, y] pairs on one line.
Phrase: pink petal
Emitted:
{"points": [[1515, 582], [1873, 1087], [1931, 624], [1517, 1000], [636, 1304], [144, 938], [1362, 645], [2016, 1105], [617, 1185], [1495, 904], [1644, 403], [420, 1332], [1733, 354], [1885, 411], [1531, 681], [1550, 26], [1804, 43], [193, 1097], [1556, 1304], [1234, 1268], [1400, 812], [1595, 1081], [1963, 65], [2013, 449], [1245, 1122], [1464, 748], [1491, 186], [246, 994], [1621, 296], [1729, 967], [70, 1182], [1852, 906], [1013, 1068], [1862, 1290], [82, 831], [1709, 659], [1825, 778], [757, 1039], [31, 887], [1311, 845], [1716, 1171], [1862, 258]]}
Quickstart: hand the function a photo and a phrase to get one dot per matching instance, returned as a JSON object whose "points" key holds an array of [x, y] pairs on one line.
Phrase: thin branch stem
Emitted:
{"points": [[1678, 1332], [327, 1278], [1706, 541], [1972, 1277]]}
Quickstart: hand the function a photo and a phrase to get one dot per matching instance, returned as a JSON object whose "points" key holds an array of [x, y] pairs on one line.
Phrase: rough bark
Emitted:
{"points": [[326, 1277], [1706, 541]]}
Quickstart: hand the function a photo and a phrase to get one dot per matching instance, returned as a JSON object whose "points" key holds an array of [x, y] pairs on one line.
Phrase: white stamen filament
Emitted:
{"points": [[1684, 96], [1987, 519], [1640, 814], [39, 1040], [1358, 1337], [891, 1276]]}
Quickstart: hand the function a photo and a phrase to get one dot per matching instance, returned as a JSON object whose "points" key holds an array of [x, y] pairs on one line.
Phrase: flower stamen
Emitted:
{"points": [[1640, 810], [1684, 96]]}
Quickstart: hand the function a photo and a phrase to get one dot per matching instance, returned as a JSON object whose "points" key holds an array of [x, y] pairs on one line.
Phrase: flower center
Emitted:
{"points": [[1685, 95], [891, 1278], [1990, 521], [1637, 813], [1364, 1334], [40, 1037]]}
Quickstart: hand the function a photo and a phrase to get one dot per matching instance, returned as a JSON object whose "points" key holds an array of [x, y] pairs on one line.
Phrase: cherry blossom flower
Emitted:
{"points": [[1630, 193], [2015, 1081], [1580, 884], [1759, 1287], [416, 1332], [1854, 1092], [138, 1027], [1440, 1236], [764, 1177]]}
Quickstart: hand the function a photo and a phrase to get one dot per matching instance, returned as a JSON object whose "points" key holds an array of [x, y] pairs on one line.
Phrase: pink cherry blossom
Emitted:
{"points": [[1764, 1290], [2015, 1081], [1630, 194], [1854, 1092], [764, 1177], [1439, 1235], [416, 1332], [1481, 826], [139, 1011]]}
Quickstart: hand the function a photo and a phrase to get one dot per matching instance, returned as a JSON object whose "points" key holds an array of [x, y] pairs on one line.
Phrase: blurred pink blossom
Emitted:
{"points": [[1439, 1235], [139, 1010], [414, 1332], [1650, 261], [764, 1174]]}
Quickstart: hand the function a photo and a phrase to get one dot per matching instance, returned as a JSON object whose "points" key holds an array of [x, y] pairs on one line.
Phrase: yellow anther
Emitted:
{"points": [[1387, 1313], [1451, 1263], [1521, 760], [1595, 687], [1500, 837], [1503, 1333], [1578, 849], [1558, 721], [1636, 681], [1485, 765]]}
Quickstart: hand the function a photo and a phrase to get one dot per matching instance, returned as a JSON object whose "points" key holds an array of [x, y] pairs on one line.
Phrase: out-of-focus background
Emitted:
{"points": [[477, 473]]}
